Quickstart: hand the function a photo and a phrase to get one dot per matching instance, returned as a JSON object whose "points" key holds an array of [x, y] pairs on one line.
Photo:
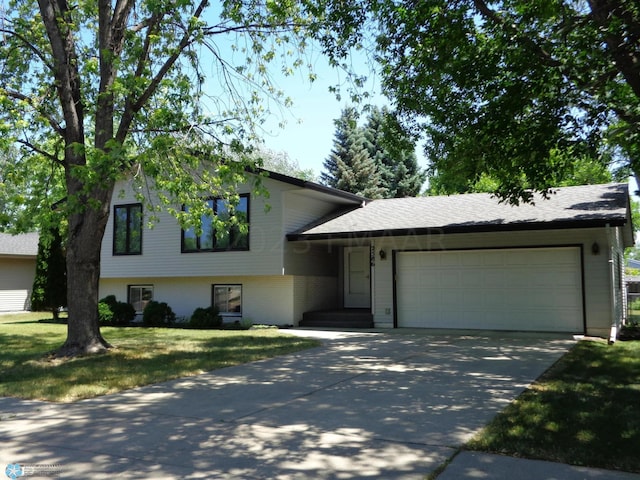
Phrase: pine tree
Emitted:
{"points": [[349, 166], [346, 134], [393, 150], [359, 174]]}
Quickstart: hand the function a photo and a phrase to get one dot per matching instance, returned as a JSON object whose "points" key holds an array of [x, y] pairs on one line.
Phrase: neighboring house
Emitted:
{"points": [[632, 263], [464, 261], [18, 255]]}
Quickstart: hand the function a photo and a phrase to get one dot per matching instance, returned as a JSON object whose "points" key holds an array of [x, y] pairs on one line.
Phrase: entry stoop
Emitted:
{"points": [[347, 318]]}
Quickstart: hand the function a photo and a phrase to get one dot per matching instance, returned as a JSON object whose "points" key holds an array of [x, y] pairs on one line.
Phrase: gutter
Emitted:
{"points": [[451, 229]]}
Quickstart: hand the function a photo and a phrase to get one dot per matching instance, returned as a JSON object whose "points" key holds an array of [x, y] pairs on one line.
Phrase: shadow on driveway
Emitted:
{"points": [[362, 406]]}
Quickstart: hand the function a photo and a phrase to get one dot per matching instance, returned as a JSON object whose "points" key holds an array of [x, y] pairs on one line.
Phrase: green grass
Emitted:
{"points": [[141, 356], [584, 411]]}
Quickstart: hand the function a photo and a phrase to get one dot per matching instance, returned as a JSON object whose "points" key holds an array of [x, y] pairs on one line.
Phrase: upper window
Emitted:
{"points": [[235, 235], [127, 229]]}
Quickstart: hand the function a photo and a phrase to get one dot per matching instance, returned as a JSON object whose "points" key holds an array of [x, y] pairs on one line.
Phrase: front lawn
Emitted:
{"points": [[142, 356], [584, 411]]}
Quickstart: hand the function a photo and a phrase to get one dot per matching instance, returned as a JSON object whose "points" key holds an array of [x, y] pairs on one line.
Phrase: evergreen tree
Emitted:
{"points": [[49, 291], [382, 148], [349, 166], [393, 150], [346, 134], [358, 174]]}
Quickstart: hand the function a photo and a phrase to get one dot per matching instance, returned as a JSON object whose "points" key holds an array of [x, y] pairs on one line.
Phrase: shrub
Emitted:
{"points": [[205, 318], [105, 314], [157, 314], [634, 305], [123, 313], [244, 323], [113, 312]]}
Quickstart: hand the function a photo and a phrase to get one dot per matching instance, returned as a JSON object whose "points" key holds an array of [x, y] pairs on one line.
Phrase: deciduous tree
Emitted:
{"points": [[496, 87], [95, 91]]}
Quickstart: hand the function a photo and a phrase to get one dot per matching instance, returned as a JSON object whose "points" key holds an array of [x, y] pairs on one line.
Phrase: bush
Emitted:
{"points": [[158, 314], [244, 323], [205, 318], [113, 312], [105, 314], [123, 313]]}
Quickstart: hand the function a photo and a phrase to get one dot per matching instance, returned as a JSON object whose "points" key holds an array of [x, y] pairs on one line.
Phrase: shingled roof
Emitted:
{"points": [[568, 207], [22, 245]]}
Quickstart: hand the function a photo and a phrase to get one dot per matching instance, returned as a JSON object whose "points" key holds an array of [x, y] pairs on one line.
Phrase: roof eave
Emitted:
{"points": [[453, 229], [352, 197]]}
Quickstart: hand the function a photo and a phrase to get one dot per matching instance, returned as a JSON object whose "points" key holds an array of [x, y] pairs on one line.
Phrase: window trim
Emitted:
{"points": [[139, 285], [227, 285], [128, 207], [230, 248]]}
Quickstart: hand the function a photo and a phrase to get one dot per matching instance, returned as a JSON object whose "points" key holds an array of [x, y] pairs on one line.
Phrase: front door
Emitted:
{"points": [[357, 272]]}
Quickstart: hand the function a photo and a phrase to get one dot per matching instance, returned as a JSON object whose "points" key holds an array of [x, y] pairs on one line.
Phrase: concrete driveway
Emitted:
{"points": [[391, 405]]}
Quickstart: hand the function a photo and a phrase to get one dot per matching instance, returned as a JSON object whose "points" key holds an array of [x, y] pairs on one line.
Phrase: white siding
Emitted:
{"points": [[279, 279], [161, 250], [16, 282], [307, 258], [287, 208], [314, 293], [598, 301], [266, 300]]}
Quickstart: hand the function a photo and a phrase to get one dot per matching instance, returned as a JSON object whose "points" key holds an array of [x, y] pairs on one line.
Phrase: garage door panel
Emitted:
{"points": [[510, 289]]}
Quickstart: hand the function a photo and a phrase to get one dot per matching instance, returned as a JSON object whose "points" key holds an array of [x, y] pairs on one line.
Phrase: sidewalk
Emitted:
{"points": [[485, 466]]}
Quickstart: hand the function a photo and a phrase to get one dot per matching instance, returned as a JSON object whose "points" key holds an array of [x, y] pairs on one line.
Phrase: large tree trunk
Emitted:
{"points": [[86, 230]]}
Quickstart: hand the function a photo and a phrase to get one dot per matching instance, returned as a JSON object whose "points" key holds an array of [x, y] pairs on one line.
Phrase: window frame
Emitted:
{"points": [[128, 207], [140, 286], [229, 286], [231, 233]]}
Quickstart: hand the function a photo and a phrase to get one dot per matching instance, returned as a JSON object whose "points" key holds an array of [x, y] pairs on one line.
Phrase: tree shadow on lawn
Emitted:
{"points": [[389, 407], [584, 411]]}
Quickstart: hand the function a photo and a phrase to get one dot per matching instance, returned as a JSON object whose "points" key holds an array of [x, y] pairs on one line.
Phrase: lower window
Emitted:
{"points": [[140, 296], [228, 299]]}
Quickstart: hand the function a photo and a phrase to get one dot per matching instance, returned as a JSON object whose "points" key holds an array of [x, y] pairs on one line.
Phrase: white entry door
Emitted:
{"points": [[357, 273]]}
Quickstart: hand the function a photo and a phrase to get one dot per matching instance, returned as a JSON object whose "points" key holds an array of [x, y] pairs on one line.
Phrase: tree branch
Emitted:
{"points": [[29, 46], [65, 70], [625, 56], [52, 121], [132, 107], [496, 19], [39, 151]]}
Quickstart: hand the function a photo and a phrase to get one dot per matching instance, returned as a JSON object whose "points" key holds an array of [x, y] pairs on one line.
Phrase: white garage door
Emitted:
{"points": [[507, 289]]}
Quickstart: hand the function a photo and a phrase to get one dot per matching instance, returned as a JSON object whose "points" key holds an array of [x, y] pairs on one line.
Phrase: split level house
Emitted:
{"points": [[445, 262]]}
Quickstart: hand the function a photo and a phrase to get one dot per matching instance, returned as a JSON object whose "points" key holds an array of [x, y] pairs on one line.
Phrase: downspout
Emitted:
{"points": [[372, 280], [613, 333]]}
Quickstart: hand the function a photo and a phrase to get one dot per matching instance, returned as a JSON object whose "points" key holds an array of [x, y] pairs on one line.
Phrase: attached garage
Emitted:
{"points": [[473, 262], [527, 289]]}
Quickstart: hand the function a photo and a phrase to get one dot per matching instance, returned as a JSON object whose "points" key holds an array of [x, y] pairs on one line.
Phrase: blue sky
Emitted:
{"points": [[308, 134]]}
